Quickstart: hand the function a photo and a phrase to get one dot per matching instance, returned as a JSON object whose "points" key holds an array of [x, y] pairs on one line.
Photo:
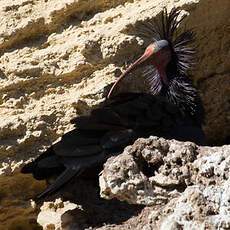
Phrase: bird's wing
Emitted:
{"points": [[115, 124]]}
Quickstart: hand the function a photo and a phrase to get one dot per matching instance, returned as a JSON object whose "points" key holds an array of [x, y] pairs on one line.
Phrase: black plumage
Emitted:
{"points": [[172, 109]]}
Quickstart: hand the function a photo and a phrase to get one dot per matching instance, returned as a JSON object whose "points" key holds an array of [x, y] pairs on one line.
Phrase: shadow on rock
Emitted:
{"points": [[91, 210]]}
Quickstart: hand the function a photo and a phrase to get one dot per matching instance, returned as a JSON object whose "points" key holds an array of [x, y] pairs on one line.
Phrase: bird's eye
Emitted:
{"points": [[149, 49]]}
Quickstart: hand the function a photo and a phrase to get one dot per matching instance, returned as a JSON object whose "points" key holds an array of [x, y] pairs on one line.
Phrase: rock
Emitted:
{"points": [[212, 67], [137, 179], [91, 211], [54, 215], [190, 183]]}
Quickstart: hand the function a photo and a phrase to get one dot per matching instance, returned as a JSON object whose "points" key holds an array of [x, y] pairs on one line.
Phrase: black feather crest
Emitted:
{"points": [[165, 27]]}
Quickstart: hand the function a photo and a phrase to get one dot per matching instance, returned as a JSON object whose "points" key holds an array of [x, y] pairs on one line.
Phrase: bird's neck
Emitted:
{"points": [[162, 74], [160, 64], [183, 94]]}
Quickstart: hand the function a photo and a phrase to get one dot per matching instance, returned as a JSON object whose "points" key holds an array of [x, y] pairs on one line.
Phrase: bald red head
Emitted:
{"points": [[158, 54]]}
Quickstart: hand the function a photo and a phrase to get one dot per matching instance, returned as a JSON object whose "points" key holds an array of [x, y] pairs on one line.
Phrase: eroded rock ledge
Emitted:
{"points": [[180, 185]]}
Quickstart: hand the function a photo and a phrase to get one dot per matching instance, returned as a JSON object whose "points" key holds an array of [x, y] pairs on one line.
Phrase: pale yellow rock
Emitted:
{"points": [[51, 215]]}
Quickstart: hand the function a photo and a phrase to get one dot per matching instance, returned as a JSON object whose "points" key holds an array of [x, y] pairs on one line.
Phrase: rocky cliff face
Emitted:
{"points": [[57, 59]]}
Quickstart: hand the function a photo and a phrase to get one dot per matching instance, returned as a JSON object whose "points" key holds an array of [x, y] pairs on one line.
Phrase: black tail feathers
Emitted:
{"points": [[64, 178], [45, 166]]}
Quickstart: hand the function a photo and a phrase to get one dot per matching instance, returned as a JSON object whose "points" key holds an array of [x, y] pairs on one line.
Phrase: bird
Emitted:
{"points": [[171, 109]]}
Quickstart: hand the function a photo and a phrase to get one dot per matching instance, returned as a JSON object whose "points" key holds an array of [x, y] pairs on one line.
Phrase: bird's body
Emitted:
{"points": [[172, 110]]}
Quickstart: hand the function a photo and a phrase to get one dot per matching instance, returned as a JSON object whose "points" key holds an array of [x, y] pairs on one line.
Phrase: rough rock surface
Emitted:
{"points": [[180, 184], [52, 213], [190, 183], [57, 59]]}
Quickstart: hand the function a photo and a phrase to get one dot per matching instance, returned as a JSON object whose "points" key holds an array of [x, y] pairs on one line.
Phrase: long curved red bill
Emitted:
{"points": [[148, 52]]}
